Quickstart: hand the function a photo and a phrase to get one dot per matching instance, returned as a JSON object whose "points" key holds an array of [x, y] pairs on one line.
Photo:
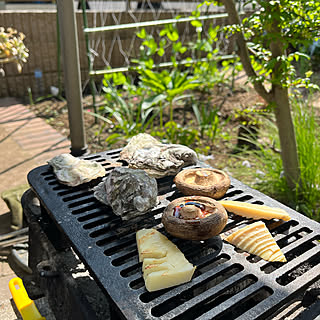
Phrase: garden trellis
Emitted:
{"points": [[111, 40]]}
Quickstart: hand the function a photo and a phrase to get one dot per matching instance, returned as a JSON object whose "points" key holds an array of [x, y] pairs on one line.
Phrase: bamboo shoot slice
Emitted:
{"points": [[257, 239]]}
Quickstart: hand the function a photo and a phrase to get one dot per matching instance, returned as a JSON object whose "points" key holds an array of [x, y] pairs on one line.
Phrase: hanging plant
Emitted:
{"points": [[12, 48]]}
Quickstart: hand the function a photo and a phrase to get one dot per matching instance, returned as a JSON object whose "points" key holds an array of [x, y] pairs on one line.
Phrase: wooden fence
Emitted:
{"points": [[41, 70]]}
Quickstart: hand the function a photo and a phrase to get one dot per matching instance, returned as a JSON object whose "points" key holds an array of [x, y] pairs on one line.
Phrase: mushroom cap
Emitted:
{"points": [[206, 182], [195, 229]]}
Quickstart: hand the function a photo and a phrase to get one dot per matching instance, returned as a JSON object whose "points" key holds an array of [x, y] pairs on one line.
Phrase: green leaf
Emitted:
{"points": [[173, 60], [151, 44], [151, 74], [118, 78], [176, 46], [149, 63], [108, 76], [196, 23], [173, 35], [96, 115], [309, 74], [154, 85], [153, 100], [142, 34], [113, 138], [161, 52], [163, 32]]}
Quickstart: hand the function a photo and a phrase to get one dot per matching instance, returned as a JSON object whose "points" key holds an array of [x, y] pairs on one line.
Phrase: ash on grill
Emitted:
{"points": [[102, 267]]}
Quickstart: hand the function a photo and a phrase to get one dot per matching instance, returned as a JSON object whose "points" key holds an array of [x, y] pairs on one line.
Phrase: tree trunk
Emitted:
{"points": [[286, 135], [280, 99], [278, 96]]}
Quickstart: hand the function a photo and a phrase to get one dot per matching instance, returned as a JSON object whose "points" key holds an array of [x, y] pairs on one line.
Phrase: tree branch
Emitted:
{"points": [[243, 49]]}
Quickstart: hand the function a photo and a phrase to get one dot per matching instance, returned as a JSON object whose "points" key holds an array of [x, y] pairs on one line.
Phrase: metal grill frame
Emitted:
{"points": [[107, 247]]}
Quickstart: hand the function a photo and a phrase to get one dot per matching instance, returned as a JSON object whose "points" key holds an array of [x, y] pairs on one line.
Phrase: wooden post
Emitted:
{"points": [[71, 65]]}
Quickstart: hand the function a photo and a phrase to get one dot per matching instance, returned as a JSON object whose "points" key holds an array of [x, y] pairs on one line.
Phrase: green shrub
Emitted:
{"points": [[267, 172]]}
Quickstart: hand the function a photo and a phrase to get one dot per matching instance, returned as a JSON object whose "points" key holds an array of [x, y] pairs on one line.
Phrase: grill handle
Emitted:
{"points": [[24, 304]]}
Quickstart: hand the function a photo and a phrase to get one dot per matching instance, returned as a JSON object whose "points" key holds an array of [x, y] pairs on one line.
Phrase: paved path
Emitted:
{"points": [[26, 142]]}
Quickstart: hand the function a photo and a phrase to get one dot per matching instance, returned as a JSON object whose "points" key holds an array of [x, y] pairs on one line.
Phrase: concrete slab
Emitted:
{"points": [[25, 143]]}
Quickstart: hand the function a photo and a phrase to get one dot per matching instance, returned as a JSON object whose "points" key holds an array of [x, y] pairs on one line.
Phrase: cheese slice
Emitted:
{"points": [[169, 278], [255, 211], [164, 265], [151, 244], [256, 239]]}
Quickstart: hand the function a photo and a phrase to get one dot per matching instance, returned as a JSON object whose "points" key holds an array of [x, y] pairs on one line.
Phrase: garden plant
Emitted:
{"points": [[187, 102], [263, 40], [12, 48]]}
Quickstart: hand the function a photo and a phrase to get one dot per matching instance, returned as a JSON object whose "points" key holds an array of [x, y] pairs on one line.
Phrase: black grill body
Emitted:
{"points": [[228, 283]]}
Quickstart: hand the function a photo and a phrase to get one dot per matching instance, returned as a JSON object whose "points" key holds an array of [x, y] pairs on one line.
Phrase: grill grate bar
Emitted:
{"points": [[302, 277], [295, 262], [306, 278], [218, 312], [255, 312], [197, 282], [90, 214], [196, 306], [279, 236], [107, 247], [130, 249], [99, 231], [282, 296], [287, 249]]}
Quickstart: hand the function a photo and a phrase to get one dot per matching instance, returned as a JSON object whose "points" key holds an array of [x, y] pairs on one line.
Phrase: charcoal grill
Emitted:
{"points": [[228, 283]]}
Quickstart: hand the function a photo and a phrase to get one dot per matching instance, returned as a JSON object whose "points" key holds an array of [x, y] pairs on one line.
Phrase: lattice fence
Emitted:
{"points": [[112, 28], [111, 49]]}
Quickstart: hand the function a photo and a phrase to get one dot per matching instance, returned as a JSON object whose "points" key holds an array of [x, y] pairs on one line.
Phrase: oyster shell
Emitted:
{"points": [[157, 159], [73, 171], [128, 192]]}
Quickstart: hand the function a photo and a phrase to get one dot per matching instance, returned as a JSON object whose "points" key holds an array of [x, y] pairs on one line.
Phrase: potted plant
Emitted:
{"points": [[12, 48]]}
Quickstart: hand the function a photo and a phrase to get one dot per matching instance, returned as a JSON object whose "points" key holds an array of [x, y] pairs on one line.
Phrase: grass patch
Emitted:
{"points": [[266, 172]]}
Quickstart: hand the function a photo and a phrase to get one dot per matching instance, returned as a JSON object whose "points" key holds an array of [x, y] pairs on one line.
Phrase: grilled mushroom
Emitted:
{"points": [[194, 218], [206, 182]]}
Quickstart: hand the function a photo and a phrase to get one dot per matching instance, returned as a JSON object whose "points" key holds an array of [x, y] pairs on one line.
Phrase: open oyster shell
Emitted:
{"points": [[128, 192], [73, 171], [157, 159]]}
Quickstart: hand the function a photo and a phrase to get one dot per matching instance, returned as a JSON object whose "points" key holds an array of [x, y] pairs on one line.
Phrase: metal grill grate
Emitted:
{"points": [[228, 283]]}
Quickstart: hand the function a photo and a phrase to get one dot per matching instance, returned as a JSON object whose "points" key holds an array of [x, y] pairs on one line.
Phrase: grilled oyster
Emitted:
{"points": [[128, 192], [73, 171], [157, 159]]}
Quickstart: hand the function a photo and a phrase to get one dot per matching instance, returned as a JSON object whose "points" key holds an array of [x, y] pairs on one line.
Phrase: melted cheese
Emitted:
{"points": [[256, 239], [164, 265], [255, 211]]}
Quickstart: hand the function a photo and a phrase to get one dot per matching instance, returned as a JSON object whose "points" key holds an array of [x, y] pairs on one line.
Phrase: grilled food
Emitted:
{"points": [[255, 211], [164, 265], [74, 171], [256, 239]]}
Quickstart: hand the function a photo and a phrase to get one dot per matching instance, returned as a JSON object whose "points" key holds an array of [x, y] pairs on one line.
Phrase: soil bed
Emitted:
{"points": [[55, 112]]}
